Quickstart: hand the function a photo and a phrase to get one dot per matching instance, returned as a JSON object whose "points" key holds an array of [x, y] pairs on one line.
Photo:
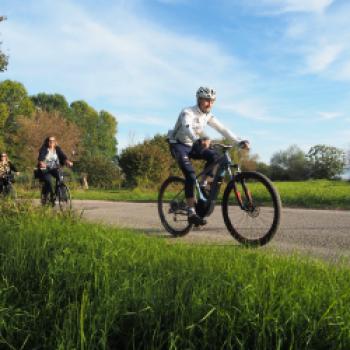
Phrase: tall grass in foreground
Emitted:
{"points": [[66, 284]]}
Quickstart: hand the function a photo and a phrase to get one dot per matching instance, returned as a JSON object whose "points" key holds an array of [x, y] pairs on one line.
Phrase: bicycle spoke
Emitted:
{"points": [[256, 222], [172, 206]]}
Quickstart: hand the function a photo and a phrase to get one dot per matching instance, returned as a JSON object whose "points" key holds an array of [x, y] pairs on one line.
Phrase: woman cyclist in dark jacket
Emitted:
{"points": [[50, 158], [6, 168]]}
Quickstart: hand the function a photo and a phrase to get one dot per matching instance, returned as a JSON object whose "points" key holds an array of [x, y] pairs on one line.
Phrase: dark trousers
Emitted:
{"points": [[183, 154], [46, 175]]}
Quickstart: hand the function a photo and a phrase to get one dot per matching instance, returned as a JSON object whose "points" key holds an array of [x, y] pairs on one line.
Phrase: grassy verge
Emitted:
{"points": [[67, 284], [304, 194]]}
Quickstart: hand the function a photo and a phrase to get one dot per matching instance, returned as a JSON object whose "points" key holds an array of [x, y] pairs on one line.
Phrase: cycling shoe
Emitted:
{"points": [[196, 220]]}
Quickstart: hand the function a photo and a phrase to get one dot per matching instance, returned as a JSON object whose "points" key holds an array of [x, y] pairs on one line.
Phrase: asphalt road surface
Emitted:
{"points": [[320, 233]]}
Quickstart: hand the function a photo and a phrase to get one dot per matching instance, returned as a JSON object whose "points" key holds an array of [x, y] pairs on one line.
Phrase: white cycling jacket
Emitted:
{"points": [[190, 126]]}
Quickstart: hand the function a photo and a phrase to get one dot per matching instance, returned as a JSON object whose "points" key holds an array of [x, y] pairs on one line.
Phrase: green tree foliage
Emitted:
{"points": [[326, 162], [14, 103], [147, 164], [98, 130], [107, 129], [52, 102], [290, 164], [3, 57], [101, 172], [263, 168]]}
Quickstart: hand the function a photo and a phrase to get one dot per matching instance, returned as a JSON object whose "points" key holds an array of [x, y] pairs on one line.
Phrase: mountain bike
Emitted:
{"points": [[251, 205], [61, 193], [8, 190]]}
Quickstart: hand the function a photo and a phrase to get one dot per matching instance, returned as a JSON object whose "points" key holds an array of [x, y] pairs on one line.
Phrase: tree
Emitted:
{"points": [[3, 57], [326, 162], [290, 164], [52, 102], [32, 133], [107, 129], [101, 172], [263, 168], [147, 164], [14, 102], [87, 119]]}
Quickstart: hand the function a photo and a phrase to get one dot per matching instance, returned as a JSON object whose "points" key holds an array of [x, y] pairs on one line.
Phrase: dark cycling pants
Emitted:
{"points": [[183, 154], [46, 178]]}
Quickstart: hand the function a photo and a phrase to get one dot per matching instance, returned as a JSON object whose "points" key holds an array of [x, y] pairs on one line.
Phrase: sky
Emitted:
{"points": [[281, 68]]}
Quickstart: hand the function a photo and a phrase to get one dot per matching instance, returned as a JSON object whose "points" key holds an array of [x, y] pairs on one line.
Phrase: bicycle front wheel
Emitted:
{"points": [[172, 207], [251, 208], [64, 197]]}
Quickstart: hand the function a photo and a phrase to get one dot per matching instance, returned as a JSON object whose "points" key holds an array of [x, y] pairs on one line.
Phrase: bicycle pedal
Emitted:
{"points": [[196, 220]]}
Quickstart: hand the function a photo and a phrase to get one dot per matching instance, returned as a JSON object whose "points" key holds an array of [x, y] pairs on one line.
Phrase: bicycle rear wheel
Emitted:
{"points": [[172, 207], [251, 208], [64, 197]]}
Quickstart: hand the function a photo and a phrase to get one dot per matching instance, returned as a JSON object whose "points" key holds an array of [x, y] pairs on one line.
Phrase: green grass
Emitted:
{"points": [[320, 194], [66, 284]]}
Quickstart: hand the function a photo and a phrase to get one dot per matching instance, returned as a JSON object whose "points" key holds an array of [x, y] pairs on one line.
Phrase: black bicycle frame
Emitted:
{"points": [[224, 165]]}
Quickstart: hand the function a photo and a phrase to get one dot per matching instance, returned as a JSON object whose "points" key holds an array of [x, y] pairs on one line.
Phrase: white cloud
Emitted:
{"points": [[329, 115], [143, 120], [322, 42], [317, 6], [322, 57], [276, 7], [130, 61], [250, 109]]}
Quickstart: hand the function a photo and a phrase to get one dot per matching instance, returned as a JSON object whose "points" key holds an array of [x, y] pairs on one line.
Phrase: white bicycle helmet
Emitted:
{"points": [[206, 92]]}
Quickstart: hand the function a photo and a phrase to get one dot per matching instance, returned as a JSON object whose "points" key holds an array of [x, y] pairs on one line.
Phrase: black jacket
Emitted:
{"points": [[12, 167], [44, 151]]}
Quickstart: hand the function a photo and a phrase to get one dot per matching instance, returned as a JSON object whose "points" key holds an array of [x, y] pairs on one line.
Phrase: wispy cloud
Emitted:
{"points": [[323, 42], [143, 120], [322, 57], [251, 109], [131, 61], [276, 7], [329, 115]]}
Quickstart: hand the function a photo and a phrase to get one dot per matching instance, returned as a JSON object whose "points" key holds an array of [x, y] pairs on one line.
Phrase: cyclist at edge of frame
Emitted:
{"points": [[6, 168], [188, 141], [50, 158]]}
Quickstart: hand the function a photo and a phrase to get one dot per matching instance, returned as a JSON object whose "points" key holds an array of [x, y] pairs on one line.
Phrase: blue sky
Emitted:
{"points": [[281, 68]]}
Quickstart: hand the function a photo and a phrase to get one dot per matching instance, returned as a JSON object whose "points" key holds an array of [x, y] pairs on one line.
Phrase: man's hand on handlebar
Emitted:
{"points": [[69, 163], [202, 142], [205, 143]]}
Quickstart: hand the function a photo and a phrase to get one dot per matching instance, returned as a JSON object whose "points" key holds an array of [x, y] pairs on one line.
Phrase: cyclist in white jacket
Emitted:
{"points": [[187, 140]]}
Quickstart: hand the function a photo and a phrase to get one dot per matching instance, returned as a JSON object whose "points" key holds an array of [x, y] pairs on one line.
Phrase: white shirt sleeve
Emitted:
{"points": [[214, 123], [186, 121]]}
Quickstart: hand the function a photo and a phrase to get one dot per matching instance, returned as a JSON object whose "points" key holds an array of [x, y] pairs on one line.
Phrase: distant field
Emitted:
{"points": [[320, 194], [66, 284]]}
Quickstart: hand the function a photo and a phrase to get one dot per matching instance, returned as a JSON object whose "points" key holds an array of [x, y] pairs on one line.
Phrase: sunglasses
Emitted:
{"points": [[52, 140]]}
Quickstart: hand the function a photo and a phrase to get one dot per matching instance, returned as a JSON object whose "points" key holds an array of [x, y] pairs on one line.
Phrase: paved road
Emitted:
{"points": [[321, 233]]}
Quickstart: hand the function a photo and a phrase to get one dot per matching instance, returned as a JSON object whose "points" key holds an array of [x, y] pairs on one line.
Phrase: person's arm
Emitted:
{"points": [[61, 155], [13, 168], [41, 158], [63, 158], [214, 123]]}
